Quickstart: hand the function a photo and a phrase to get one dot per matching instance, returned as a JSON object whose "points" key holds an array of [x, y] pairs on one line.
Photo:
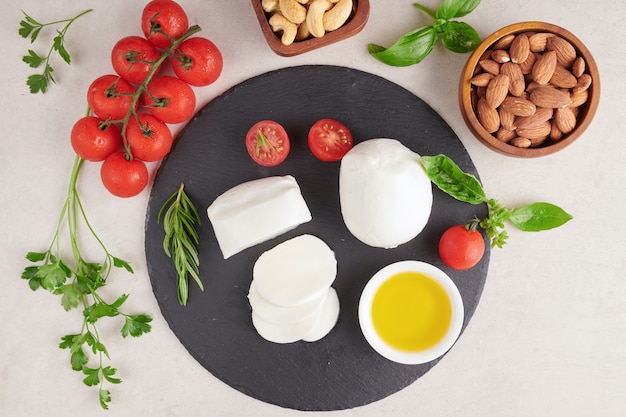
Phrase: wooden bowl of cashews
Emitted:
{"points": [[292, 27]]}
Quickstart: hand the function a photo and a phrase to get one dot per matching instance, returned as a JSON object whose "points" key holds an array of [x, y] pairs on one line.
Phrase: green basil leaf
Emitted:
{"points": [[539, 216], [451, 179], [459, 37], [456, 8], [410, 49]]}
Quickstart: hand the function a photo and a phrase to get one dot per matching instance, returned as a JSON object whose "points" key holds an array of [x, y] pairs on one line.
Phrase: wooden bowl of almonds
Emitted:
{"points": [[292, 27], [530, 89]]}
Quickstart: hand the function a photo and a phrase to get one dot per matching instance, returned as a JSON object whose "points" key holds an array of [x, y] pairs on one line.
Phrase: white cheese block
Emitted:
{"points": [[385, 195], [276, 314], [256, 211], [295, 272]]}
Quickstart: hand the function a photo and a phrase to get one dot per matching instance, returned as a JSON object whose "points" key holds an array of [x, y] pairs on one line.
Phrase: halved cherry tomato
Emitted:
{"points": [[124, 178], [162, 17], [197, 61], [132, 58], [267, 143], [149, 138], [110, 97], [170, 99], [93, 139], [460, 248], [329, 140]]}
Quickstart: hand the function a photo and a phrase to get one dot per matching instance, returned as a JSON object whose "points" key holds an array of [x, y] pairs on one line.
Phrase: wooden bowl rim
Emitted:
{"points": [[354, 26], [465, 91]]}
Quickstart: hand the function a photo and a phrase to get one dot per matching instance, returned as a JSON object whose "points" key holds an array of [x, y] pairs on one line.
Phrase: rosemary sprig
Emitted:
{"points": [[179, 217]]}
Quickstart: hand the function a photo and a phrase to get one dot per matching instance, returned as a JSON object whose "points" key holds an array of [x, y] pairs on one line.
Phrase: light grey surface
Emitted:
{"points": [[548, 335]]}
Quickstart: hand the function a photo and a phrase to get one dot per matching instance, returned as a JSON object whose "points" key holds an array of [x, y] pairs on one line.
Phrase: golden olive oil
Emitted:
{"points": [[411, 311]]}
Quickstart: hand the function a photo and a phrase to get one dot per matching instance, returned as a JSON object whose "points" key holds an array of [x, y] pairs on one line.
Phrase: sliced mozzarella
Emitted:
{"points": [[275, 314], [327, 318], [295, 272], [286, 333], [385, 195], [255, 211]]}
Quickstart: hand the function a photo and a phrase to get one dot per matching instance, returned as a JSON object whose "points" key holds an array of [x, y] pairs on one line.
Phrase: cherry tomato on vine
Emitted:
{"points": [[197, 61], [149, 138], [132, 58], [162, 17], [124, 178], [170, 99], [329, 140], [460, 248], [110, 97], [267, 143], [93, 139]]}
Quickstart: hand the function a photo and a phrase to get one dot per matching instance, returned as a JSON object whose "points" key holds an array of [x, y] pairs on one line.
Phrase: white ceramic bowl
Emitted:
{"points": [[410, 357]]}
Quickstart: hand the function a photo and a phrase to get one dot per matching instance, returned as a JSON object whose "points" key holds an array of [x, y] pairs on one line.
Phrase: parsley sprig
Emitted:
{"points": [[29, 27], [179, 217], [77, 281]]}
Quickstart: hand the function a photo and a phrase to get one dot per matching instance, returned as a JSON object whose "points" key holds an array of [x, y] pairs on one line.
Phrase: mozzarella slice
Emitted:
{"points": [[295, 272], [286, 333], [385, 195], [256, 211], [327, 318], [276, 314]]}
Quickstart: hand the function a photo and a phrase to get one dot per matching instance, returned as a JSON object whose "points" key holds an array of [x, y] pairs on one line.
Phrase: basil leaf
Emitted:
{"points": [[410, 49], [539, 216], [451, 179], [456, 8], [459, 37]]}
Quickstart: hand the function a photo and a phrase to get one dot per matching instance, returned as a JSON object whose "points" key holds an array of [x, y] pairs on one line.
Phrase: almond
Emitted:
{"points": [[520, 48], [500, 56], [544, 67], [505, 135], [521, 142], [507, 118], [550, 97], [565, 119], [517, 83], [538, 41], [565, 52], [487, 116], [518, 106], [583, 83], [578, 67], [578, 97], [497, 90], [541, 115], [555, 132], [482, 79], [538, 131], [504, 42], [490, 66], [563, 78], [527, 65]]}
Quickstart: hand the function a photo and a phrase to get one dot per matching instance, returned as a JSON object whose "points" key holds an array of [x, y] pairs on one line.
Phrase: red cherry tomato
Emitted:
{"points": [[132, 57], [460, 248], [110, 97], [329, 140], [123, 178], [197, 61], [94, 140], [149, 138], [170, 99], [267, 143], [161, 17]]}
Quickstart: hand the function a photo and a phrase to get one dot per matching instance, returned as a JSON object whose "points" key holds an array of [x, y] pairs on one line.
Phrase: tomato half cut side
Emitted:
{"points": [[329, 140], [267, 143]]}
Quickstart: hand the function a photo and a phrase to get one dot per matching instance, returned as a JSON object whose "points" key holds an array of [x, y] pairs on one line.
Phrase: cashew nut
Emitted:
{"points": [[303, 32], [315, 17], [269, 5], [278, 22], [337, 16], [292, 10]]}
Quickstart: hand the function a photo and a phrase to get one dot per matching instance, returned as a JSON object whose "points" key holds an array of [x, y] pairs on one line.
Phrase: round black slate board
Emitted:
{"points": [[341, 370]]}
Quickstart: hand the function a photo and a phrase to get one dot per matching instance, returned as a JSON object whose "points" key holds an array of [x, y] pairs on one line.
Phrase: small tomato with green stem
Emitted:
{"points": [[197, 61], [462, 246], [133, 58], [94, 139], [163, 21], [170, 99], [123, 177], [110, 97], [149, 139]]}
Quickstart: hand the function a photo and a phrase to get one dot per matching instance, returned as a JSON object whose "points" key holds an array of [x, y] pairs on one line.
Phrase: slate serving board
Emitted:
{"points": [[341, 370]]}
